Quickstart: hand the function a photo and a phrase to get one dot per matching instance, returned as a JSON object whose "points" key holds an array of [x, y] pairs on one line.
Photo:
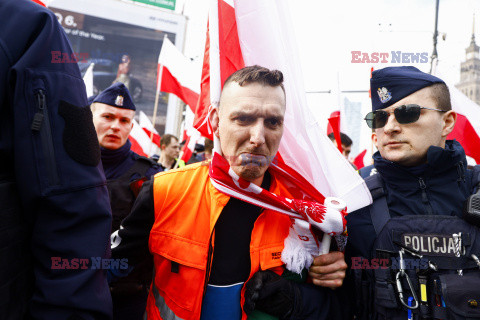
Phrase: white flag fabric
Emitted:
{"points": [[267, 39], [88, 79]]}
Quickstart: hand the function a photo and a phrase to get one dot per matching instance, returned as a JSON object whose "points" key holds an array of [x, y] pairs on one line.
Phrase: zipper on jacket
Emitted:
{"points": [[425, 201], [41, 124], [209, 263]]}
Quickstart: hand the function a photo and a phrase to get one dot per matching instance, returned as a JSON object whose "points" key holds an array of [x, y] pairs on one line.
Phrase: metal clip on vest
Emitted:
{"points": [[475, 258], [398, 280], [458, 248]]}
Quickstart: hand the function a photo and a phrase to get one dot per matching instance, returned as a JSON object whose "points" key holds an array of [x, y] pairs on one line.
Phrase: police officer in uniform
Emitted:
{"points": [[54, 207], [411, 254], [113, 112]]}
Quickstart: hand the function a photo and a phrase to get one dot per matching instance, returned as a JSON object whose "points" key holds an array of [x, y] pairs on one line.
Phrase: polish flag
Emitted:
{"points": [[359, 160], [147, 126], [222, 57], [140, 140], [176, 74], [467, 127], [334, 126], [191, 135], [260, 32]]}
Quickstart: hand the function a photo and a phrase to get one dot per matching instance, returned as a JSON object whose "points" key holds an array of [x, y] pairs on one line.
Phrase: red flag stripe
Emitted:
{"points": [[358, 161], [39, 2], [335, 124], [156, 137], [203, 105], [136, 147], [467, 136], [231, 58]]}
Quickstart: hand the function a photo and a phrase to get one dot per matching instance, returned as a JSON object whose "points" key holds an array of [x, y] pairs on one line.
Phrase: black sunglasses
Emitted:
{"points": [[403, 114]]}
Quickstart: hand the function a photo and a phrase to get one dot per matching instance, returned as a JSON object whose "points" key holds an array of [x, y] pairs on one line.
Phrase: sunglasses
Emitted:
{"points": [[403, 114]]}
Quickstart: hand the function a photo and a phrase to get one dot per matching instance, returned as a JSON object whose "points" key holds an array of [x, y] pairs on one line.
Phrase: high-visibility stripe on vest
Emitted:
{"points": [[187, 207]]}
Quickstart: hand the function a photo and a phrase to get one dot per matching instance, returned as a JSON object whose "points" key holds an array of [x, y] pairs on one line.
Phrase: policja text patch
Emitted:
{"points": [[430, 244]]}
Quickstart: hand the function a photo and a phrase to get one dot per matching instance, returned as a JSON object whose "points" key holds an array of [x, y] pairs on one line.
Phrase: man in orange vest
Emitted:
{"points": [[213, 253]]}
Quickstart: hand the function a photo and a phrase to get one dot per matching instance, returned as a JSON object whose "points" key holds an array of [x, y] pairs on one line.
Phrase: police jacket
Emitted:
{"points": [[126, 171], [176, 217], [440, 186], [435, 192], [54, 207]]}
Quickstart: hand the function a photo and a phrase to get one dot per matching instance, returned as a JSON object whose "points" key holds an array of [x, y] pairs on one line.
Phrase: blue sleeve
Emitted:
{"points": [[153, 171], [131, 241], [361, 234], [315, 302], [48, 143]]}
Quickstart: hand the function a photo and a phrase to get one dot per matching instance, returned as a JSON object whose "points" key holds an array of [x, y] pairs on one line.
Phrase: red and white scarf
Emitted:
{"points": [[306, 209], [306, 204]]}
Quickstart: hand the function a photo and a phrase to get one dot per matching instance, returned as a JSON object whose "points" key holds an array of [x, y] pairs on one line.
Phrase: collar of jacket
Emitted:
{"points": [[439, 161], [112, 157]]}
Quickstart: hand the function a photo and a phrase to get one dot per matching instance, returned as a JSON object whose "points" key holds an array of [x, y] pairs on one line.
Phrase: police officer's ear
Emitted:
{"points": [[374, 139], [449, 118]]}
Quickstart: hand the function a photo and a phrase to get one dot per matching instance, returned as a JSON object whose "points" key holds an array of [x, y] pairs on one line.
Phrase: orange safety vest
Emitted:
{"points": [[187, 206]]}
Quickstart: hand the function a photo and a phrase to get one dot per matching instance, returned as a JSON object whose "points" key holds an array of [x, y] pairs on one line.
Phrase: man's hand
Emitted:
{"points": [[328, 270]]}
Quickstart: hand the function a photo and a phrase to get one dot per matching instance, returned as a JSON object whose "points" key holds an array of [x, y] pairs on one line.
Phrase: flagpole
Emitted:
{"points": [[157, 95]]}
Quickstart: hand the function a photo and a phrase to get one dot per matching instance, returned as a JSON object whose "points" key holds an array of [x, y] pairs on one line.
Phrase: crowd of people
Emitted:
{"points": [[92, 230]]}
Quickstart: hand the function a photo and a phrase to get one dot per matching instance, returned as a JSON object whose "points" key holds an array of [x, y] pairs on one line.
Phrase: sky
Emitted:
{"points": [[328, 31]]}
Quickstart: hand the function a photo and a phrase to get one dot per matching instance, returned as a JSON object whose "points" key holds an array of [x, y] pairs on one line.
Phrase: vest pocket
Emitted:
{"points": [[180, 266], [271, 257], [385, 295], [461, 295]]}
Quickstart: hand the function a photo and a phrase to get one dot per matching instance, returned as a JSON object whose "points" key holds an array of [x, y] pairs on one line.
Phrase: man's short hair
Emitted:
{"points": [[257, 74], [167, 139], [208, 145], [345, 140], [441, 95]]}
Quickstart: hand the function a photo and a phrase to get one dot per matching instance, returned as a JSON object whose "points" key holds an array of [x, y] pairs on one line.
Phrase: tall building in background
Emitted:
{"points": [[470, 71]]}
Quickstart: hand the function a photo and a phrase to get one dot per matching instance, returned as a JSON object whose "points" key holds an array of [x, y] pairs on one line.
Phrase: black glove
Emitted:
{"points": [[268, 292]]}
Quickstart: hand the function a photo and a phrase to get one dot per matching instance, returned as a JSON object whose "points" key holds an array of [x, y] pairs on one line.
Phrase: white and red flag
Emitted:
{"points": [[147, 126], [141, 143], [190, 135], [176, 74], [467, 127], [260, 32]]}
